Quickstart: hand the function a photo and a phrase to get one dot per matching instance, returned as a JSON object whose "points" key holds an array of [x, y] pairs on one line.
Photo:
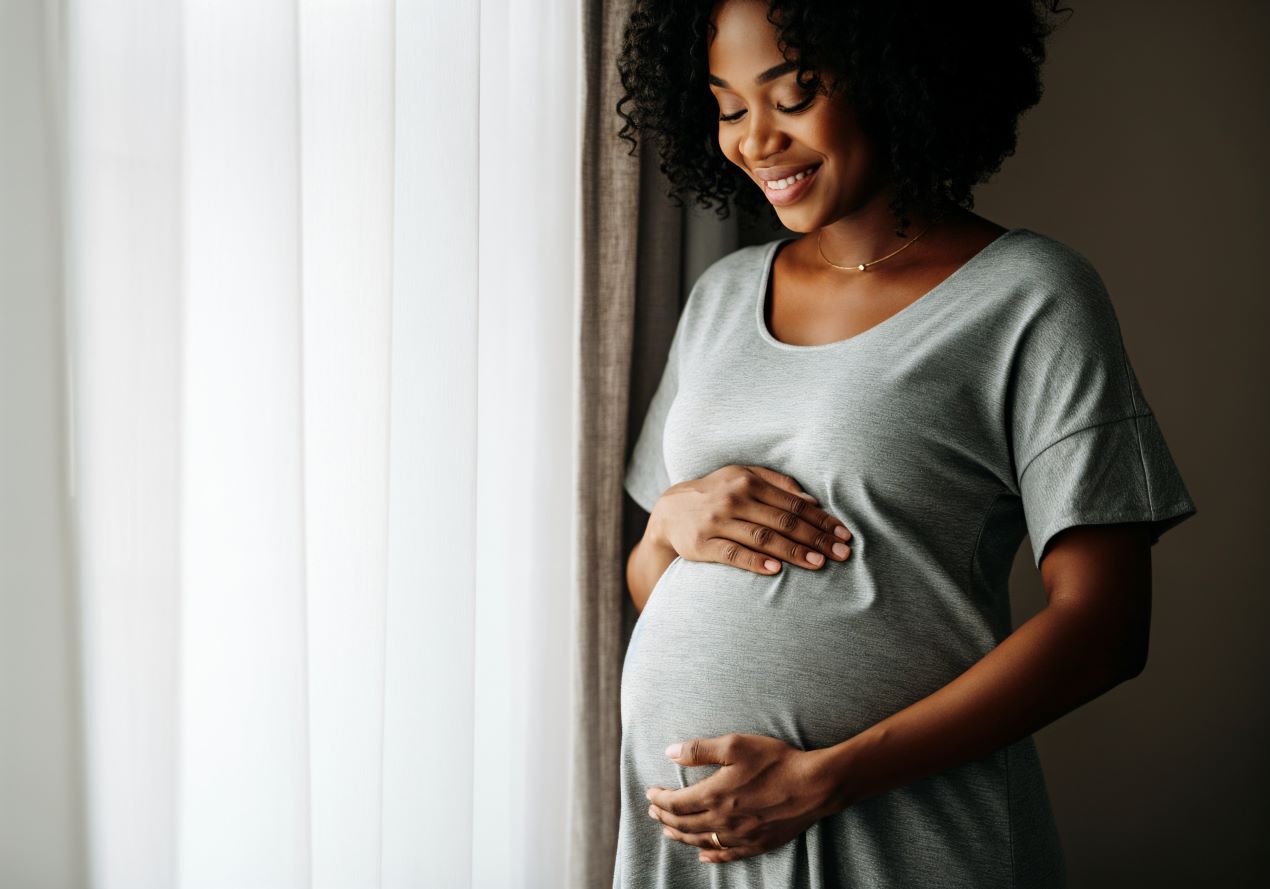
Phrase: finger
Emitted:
{"points": [[681, 802], [806, 530], [700, 840], [714, 855], [698, 822], [774, 493], [688, 800], [720, 750], [732, 552], [807, 548], [695, 798]]}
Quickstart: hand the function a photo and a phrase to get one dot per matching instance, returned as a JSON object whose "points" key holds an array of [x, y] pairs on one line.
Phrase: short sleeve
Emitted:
{"points": [[1087, 448], [646, 473]]}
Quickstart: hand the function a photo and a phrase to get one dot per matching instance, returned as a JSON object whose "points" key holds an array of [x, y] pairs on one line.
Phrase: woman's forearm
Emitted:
{"points": [[646, 564], [1058, 660]]}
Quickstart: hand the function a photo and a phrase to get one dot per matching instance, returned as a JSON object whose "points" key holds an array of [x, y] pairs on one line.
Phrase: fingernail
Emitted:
{"points": [[673, 750], [771, 565], [842, 532], [815, 558], [806, 496], [840, 550]]}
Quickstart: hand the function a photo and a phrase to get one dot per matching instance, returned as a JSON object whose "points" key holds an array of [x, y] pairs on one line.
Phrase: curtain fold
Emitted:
{"points": [[320, 287], [608, 217], [429, 674], [41, 787]]}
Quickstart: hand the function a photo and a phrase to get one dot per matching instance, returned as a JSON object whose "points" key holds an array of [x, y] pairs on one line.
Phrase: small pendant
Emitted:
{"points": [[860, 267]]}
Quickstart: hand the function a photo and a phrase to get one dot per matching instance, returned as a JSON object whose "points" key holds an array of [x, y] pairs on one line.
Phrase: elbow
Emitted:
{"points": [[1132, 670], [630, 585], [1132, 652], [1114, 650]]}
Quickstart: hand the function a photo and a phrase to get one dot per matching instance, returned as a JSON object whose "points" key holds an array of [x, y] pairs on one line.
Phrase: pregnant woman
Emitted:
{"points": [[855, 429]]}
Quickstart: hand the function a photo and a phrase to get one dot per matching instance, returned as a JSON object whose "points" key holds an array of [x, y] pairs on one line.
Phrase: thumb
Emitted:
{"points": [[696, 752]]}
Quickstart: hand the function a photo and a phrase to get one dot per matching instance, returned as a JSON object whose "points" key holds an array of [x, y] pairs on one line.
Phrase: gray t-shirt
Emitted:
{"points": [[1001, 403]]}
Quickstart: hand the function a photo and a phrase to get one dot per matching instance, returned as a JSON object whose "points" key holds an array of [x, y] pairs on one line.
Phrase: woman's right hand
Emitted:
{"points": [[750, 517]]}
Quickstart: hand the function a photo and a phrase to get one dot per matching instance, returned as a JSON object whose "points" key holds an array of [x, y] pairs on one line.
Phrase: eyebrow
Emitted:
{"points": [[769, 75]]}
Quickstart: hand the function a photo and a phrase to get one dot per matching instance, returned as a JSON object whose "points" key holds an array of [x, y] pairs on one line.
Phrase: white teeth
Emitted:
{"points": [[781, 184]]}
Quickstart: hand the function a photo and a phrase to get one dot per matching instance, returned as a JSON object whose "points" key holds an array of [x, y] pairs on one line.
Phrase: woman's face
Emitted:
{"points": [[771, 131]]}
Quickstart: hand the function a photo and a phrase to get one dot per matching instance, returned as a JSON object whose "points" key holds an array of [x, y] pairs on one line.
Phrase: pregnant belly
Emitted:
{"points": [[811, 657]]}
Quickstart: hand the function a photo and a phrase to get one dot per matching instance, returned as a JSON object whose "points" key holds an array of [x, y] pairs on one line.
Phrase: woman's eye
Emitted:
{"points": [[801, 106]]}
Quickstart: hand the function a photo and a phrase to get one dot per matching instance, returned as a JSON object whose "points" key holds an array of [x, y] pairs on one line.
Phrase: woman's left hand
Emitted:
{"points": [[766, 793]]}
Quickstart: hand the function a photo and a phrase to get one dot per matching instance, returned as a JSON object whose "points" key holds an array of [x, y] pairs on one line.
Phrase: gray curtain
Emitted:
{"points": [[609, 274]]}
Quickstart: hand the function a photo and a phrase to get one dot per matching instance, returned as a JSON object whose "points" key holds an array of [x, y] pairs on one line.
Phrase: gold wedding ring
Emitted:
{"points": [[714, 837]]}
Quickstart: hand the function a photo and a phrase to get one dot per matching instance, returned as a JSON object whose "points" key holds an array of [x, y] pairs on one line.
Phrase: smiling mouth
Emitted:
{"points": [[792, 192], [790, 181]]}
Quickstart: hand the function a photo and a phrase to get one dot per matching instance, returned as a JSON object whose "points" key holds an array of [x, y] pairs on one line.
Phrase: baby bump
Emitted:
{"points": [[805, 656]]}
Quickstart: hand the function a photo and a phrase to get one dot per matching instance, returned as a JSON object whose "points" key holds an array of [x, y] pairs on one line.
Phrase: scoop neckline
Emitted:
{"points": [[769, 261]]}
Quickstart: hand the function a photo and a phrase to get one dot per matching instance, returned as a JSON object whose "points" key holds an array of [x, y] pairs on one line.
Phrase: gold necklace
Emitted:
{"points": [[864, 266]]}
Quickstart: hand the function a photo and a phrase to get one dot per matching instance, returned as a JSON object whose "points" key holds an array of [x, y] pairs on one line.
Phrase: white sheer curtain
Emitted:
{"points": [[319, 323]]}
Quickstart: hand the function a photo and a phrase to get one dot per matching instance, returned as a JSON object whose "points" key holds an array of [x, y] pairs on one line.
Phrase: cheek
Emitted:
{"points": [[829, 134]]}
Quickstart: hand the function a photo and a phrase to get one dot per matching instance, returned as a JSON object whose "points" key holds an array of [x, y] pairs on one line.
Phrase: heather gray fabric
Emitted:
{"points": [[1000, 403]]}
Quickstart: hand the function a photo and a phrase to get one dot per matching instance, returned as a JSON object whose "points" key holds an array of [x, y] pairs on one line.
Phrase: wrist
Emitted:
{"points": [[655, 538], [835, 770]]}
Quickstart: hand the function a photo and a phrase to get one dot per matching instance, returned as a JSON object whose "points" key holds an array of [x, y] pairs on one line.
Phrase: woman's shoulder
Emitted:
{"points": [[723, 286], [1050, 292], [740, 266], [1036, 275], [1044, 259]]}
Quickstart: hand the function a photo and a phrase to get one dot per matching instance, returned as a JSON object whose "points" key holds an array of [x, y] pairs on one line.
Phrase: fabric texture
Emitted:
{"points": [[1000, 404]]}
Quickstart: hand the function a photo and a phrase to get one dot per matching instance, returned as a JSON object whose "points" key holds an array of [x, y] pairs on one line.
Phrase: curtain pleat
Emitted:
{"points": [[346, 150], [525, 431], [430, 664], [608, 226], [42, 805], [245, 777], [321, 264], [124, 268]]}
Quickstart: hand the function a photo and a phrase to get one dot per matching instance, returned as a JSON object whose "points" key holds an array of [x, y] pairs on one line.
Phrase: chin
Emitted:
{"points": [[796, 219]]}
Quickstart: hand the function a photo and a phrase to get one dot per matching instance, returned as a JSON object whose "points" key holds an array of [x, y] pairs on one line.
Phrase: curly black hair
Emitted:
{"points": [[938, 86]]}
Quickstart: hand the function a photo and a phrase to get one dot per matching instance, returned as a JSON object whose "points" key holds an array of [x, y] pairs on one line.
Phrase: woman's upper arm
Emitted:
{"points": [[1104, 571]]}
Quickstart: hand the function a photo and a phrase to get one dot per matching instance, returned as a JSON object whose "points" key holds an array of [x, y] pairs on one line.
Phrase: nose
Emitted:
{"points": [[762, 137]]}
